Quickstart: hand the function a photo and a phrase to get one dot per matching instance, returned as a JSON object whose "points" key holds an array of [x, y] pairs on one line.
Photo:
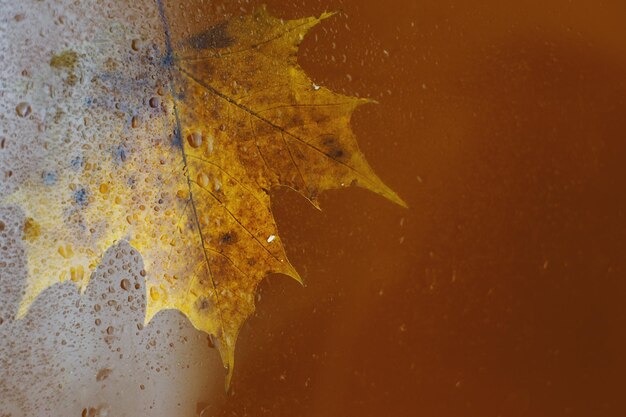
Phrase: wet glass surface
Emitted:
{"points": [[498, 292]]}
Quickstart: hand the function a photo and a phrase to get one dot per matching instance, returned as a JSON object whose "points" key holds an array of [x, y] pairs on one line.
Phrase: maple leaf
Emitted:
{"points": [[242, 118]]}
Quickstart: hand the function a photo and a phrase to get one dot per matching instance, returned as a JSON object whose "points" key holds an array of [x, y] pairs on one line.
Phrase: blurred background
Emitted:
{"points": [[498, 292]]}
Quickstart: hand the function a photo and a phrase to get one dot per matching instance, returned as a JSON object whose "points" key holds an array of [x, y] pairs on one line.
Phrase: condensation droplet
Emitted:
{"points": [[77, 273], [154, 293], [66, 251], [195, 139], [203, 180], [23, 109], [103, 374]]}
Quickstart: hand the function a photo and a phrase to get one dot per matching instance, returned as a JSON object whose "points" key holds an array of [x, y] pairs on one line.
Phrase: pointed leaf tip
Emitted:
{"points": [[327, 15], [375, 184]]}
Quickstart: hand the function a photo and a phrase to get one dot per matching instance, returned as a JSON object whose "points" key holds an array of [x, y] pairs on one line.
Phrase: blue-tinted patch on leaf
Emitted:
{"points": [[76, 163], [81, 197], [49, 177], [120, 154]]}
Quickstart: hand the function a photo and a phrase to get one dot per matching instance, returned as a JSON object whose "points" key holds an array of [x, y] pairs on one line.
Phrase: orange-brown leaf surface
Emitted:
{"points": [[233, 117]]}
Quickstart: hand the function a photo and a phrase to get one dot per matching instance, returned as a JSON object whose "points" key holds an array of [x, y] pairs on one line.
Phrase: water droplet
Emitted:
{"points": [[154, 102], [195, 139], [125, 284], [203, 180], [103, 374], [49, 178], [23, 109], [66, 251], [154, 293], [77, 273]]}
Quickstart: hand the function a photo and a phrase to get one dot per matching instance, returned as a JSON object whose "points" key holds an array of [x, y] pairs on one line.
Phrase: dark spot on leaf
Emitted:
{"points": [[81, 197], [333, 149], [215, 37], [167, 60], [203, 304], [32, 230], [228, 238]]}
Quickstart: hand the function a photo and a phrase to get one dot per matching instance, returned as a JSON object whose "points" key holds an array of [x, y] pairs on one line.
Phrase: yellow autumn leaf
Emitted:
{"points": [[234, 117]]}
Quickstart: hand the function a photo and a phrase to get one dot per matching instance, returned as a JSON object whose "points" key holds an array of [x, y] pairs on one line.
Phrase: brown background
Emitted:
{"points": [[500, 291]]}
